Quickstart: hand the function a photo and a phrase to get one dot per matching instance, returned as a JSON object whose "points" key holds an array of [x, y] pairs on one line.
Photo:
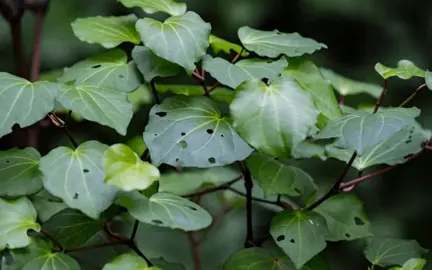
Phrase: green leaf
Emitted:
{"points": [[166, 210], [301, 235], [361, 130], [20, 173], [107, 31], [233, 75], [221, 94], [387, 252], [103, 105], [149, 6], [139, 97], [411, 264], [125, 169], [46, 205], [17, 216], [164, 265], [188, 34], [19, 103], [129, 261], [405, 70], [256, 259], [428, 76], [190, 132], [277, 178], [283, 114], [108, 69], [308, 149], [221, 45], [77, 177], [137, 145], [274, 43], [346, 86], [345, 217]]}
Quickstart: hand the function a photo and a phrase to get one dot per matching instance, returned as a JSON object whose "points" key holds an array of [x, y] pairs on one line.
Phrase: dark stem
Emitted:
{"points": [[19, 55], [410, 97], [237, 57], [195, 251], [249, 242], [134, 230], [37, 40], [94, 246], [341, 99], [381, 97], [366, 177], [70, 137], [277, 203], [212, 189], [132, 246], [154, 91], [55, 243]]}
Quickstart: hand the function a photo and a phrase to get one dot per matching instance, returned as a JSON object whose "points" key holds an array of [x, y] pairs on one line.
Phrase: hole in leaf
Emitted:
{"points": [[222, 135], [7, 161], [292, 241], [157, 221], [96, 66], [161, 114], [347, 235], [265, 80], [183, 144], [280, 238], [155, 134], [359, 221], [210, 131], [297, 190], [212, 160], [408, 141], [177, 159], [192, 208], [75, 196], [183, 133], [86, 171], [121, 76]]}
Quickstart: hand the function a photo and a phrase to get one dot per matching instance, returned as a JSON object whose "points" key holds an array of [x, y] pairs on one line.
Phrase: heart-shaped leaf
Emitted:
{"points": [[190, 132], [129, 261], [428, 76], [412, 264], [24, 103], [150, 6], [219, 94], [283, 115], [274, 43], [221, 45], [188, 34], [77, 177], [107, 31], [256, 259], [405, 70]]}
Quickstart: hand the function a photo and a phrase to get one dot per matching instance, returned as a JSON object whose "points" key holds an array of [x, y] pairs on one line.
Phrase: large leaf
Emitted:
{"points": [[188, 34], [166, 210], [221, 45], [256, 259], [233, 75], [129, 261], [411, 264], [273, 119], [190, 132], [387, 252], [108, 69], [77, 177], [22, 102], [104, 105], [345, 217], [429, 79], [277, 178], [274, 43], [361, 130], [125, 169], [150, 6], [19, 170], [219, 94], [151, 65], [405, 70], [17, 217], [301, 235], [107, 31]]}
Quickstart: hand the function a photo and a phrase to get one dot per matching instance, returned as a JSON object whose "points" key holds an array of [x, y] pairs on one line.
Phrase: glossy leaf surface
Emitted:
{"points": [[150, 6], [405, 70]]}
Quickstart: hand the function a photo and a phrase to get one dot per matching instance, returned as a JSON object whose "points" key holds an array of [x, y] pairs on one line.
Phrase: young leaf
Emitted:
{"points": [[100, 104], [20, 173], [256, 259], [151, 65], [301, 235], [277, 178], [405, 70], [188, 34], [108, 69], [283, 114], [71, 228], [129, 261], [107, 31], [19, 103], [150, 6], [190, 132], [17, 217], [219, 94], [361, 130], [77, 177], [166, 210], [126, 170], [233, 75], [429, 79], [411, 264], [387, 252], [221, 45], [274, 43]]}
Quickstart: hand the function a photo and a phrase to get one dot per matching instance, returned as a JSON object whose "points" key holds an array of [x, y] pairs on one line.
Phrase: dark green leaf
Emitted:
{"points": [[429, 79], [221, 45], [150, 6], [256, 259], [219, 94], [405, 70], [411, 264]]}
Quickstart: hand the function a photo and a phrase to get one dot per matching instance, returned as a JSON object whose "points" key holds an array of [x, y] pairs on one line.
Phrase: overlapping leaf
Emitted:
{"points": [[405, 70], [46, 205], [181, 39], [221, 45], [308, 149], [107, 31], [219, 94], [428, 76], [283, 115], [190, 132], [256, 259], [129, 261], [412, 264], [24, 103], [150, 6], [274, 43], [77, 177]]}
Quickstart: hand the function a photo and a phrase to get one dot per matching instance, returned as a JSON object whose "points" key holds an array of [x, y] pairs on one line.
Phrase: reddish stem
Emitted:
{"points": [[37, 40], [195, 251]]}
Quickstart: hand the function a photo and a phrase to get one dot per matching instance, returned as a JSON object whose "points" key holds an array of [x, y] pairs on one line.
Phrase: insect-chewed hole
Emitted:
{"points": [[177, 159], [183, 144], [121, 76], [161, 114], [157, 221], [297, 190], [210, 131], [212, 160], [358, 221], [192, 208], [96, 66], [183, 133], [75, 196], [292, 241], [408, 141], [222, 135], [280, 238], [86, 171], [347, 235], [7, 160]]}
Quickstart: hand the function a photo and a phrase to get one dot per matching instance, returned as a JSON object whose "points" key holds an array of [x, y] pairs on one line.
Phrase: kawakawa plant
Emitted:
{"points": [[243, 121]]}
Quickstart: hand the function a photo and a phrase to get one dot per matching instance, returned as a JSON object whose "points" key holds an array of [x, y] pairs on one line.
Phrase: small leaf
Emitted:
{"points": [[361, 130], [411, 264], [221, 45], [107, 31], [24, 103], [429, 79], [405, 70], [188, 34], [108, 69], [387, 252], [166, 210], [283, 114], [77, 177], [150, 6], [301, 235], [219, 94], [103, 105], [20, 173], [190, 132], [277, 178], [256, 259], [274, 43], [125, 169]]}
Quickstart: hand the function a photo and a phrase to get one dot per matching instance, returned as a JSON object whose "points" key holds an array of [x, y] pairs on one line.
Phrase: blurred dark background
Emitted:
{"points": [[359, 33]]}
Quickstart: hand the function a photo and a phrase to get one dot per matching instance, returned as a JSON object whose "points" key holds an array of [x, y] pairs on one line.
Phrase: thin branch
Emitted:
{"points": [[116, 243], [249, 228], [55, 243], [19, 55], [237, 57], [195, 250], [366, 177], [37, 40], [134, 230], [427, 147], [213, 189], [58, 122], [277, 202], [381, 97], [410, 97], [197, 75], [132, 246], [154, 91], [341, 99]]}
